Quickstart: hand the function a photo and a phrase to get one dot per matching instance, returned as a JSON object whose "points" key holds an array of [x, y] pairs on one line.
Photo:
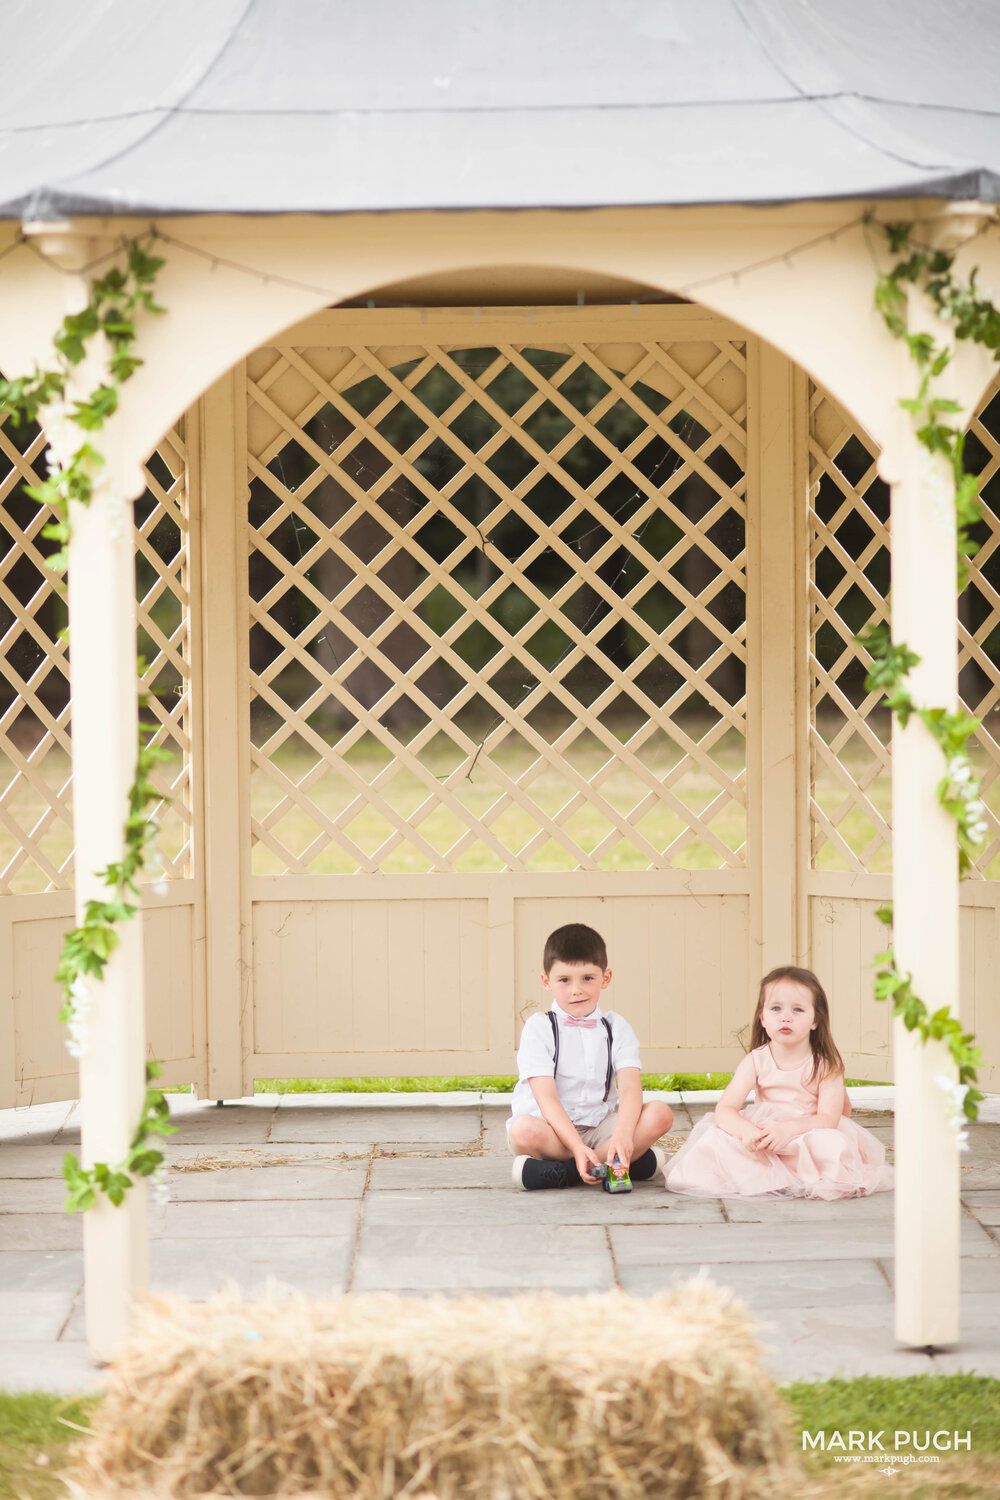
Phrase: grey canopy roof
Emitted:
{"points": [[327, 106]]}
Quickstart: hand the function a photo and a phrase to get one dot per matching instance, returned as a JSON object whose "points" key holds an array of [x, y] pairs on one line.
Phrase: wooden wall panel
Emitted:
{"points": [[391, 978], [42, 1068], [846, 936]]}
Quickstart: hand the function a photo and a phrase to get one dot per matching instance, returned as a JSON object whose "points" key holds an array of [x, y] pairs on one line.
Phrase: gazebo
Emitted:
{"points": [[509, 469]]}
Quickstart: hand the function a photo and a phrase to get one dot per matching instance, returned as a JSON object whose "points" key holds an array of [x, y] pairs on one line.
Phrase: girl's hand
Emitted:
{"points": [[750, 1135], [776, 1134], [585, 1158]]}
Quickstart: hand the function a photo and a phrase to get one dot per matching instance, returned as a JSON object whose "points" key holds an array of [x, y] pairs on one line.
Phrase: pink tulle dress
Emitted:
{"points": [[845, 1162]]}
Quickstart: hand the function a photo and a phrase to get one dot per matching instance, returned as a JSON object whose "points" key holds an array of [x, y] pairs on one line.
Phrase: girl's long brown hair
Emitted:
{"points": [[826, 1058]]}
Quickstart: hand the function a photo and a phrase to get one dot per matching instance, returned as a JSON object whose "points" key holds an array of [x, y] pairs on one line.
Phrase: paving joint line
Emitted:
{"points": [[271, 1123], [611, 1253], [77, 1296], [71, 1105], [349, 1284]]}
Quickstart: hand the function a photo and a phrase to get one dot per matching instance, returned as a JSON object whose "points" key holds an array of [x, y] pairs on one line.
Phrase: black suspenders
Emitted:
{"points": [[555, 1061]]}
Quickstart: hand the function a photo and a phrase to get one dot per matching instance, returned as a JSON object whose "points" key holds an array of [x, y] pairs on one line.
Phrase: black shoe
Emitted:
{"points": [[532, 1175], [647, 1165]]}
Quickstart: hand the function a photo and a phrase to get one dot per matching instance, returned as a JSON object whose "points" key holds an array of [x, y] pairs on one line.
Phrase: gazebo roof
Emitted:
{"points": [[289, 106]]}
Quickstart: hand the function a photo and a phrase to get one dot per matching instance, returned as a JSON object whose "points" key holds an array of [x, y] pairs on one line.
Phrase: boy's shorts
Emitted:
{"points": [[594, 1136]]}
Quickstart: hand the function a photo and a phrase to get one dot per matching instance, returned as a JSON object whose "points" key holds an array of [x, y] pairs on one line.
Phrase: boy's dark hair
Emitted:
{"points": [[575, 944]]}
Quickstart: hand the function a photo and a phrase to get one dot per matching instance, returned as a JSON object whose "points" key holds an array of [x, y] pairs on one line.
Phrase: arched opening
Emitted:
{"points": [[491, 653]]}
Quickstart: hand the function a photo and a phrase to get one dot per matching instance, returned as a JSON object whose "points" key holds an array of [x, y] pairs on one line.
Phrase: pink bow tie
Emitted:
{"points": [[588, 1021]]}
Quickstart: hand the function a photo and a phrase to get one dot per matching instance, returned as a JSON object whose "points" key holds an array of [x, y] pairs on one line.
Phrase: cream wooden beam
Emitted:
{"points": [[777, 690], [224, 847]]}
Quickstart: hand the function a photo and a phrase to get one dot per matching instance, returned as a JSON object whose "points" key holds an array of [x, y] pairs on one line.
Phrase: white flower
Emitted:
{"points": [[956, 1093], [81, 994], [161, 1187]]}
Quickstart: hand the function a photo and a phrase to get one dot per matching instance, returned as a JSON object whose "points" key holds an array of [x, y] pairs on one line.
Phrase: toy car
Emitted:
{"points": [[613, 1175]]}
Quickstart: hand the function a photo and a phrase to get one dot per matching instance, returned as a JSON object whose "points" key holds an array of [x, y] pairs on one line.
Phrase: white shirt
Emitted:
{"points": [[583, 1064]]}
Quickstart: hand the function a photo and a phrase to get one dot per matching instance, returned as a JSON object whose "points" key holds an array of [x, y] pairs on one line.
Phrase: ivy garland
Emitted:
{"points": [[973, 316], [115, 300]]}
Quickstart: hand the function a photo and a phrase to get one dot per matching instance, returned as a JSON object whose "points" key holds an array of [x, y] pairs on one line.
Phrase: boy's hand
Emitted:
{"points": [[584, 1158], [621, 1145]]}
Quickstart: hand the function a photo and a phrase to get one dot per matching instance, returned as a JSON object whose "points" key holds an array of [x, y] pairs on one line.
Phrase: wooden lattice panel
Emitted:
{"points": [[36, 841], [848, 586], [497, 606], [979, 623]]}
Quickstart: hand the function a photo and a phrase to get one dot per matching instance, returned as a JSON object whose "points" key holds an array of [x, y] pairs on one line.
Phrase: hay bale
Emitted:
{"points": [[537, 1397]]}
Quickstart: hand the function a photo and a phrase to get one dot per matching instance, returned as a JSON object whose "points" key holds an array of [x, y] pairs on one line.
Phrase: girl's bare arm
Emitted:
{"points": [[734, 1096]]}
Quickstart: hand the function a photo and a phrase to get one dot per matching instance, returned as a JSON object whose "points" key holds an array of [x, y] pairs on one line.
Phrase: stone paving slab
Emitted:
{"points": [[38, 1316], [51, 1271], [583, 1205], [428, 1258], [706, 1244], [27, 1158], [422, 1104], [390, 1174], [33, 1122], [35, 1232], [20, 1195], [327, 1180], [985, 1175], [64, 1369], [979, 1274], [847, 1339], [432, 1150], [773, 1285], [878, 1208], [258, 1220], [978, 1354], [984, 1203], [303, 1153], [495, 1136], [409, 1126], [318, 1266], [234, 1125]]}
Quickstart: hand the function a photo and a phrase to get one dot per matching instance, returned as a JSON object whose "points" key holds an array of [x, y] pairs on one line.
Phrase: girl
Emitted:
{"points": [[797, 1139]]}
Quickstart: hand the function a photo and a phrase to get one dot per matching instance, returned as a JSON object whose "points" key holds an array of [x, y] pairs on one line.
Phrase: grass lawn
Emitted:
{"points": [[36, 1432], [920, 1404], [487, 1083]]}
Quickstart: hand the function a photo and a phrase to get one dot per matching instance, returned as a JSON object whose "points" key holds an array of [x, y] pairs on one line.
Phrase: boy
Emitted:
{"points": [[564, 1117]]}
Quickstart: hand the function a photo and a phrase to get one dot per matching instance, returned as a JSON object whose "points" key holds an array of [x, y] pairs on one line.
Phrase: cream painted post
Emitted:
{"points": [[104, 697], [225, 737], [112, 1069], [777, 694], [925, 901]]}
